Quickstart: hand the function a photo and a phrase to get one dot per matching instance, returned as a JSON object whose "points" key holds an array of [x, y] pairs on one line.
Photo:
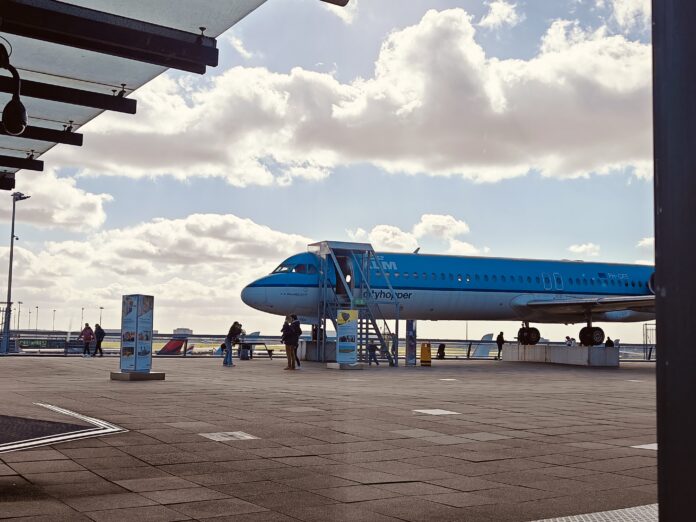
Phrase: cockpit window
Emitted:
{"points": [[283, 269], [300, 269]]}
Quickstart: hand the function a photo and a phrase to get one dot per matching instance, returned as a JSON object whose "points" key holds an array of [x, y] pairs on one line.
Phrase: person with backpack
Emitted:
{"points": [[291, 332], [500, 341], [99, 335], [87, 334]]}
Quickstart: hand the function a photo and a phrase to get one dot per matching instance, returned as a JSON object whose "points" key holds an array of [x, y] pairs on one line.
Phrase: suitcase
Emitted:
{"points": [[245, 353]]}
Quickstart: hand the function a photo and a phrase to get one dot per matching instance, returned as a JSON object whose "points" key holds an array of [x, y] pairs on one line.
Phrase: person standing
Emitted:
{"points": [[232, 337], [290, 338], [441, 351], [609, 343], [500, 341], [372, 354], [87, 334], [297, 330], [99, 335]]}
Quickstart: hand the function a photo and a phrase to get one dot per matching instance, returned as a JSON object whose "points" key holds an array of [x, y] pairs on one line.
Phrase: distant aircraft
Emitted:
{"points": [[441, 287]]}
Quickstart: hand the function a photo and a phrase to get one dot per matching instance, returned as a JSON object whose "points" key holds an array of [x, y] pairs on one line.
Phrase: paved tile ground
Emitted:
{"points": [[526, 442]]}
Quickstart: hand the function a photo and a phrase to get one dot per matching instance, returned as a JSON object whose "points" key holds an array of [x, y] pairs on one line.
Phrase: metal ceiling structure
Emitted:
{"points": [[80, 58]]}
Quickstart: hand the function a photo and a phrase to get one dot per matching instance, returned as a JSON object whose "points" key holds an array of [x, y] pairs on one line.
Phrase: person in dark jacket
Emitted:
{"points": [[295, 325], [609, 343], [500, 341], [99, 335], [231, 339], [291, 332], [441, 351]]}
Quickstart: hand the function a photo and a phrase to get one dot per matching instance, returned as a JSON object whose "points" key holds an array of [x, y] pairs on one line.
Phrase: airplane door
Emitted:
{"points": [[547, 282], [558, 280], [346, 267]]}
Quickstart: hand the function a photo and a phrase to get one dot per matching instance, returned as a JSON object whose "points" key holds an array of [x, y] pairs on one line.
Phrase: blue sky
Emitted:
{"points": [[528, 121]]}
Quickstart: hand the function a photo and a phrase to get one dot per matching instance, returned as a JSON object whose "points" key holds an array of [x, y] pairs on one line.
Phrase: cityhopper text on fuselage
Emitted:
{"points": [[443, 287]]}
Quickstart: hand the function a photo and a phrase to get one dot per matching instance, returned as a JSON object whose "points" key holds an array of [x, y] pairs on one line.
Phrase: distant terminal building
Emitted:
{"points": [[183, 331]]}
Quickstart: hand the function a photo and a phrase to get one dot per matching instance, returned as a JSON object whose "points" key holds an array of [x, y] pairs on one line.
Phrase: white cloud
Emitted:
{"points": [[347, 13], [632, 14], [462, 248], [194, 266], [238, 45], [585, 249], [430, 226], [580, 106], [386, 238], [437, 225], [646, 242], [500, 13], [56, 202]]}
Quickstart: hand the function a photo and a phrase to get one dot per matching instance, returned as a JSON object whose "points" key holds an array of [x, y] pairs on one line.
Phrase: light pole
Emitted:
{"points": [[29, 321], [54, 320], [16, 196], [37, 319], [82, 317], [19, 312], [101, 309]]}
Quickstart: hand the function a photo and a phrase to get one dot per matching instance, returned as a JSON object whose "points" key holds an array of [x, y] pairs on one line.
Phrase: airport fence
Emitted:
{"points": [[61, 344]]}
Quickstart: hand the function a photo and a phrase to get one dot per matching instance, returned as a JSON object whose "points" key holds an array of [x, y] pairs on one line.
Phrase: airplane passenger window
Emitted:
{"points": [[468, 278], [538, 280], [494, 278], [425, 275], [529, 279], [433, 276], [584, 281], [613, 283], [633, 284], [520, 279], [459, 278], [451, 277], [396, 274], [386, 274], [570, 280], [406, 275], [577, 280], [442, 276], [626, 284], [592, 281], [415, 275], [485, 277], [478, 277], [503, 278]]}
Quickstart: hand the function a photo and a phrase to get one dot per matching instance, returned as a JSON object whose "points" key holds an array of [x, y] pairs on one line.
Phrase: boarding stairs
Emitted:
{"points": [[352, 263]]}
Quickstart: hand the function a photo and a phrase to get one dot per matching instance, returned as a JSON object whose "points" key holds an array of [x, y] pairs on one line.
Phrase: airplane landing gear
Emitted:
{"points": [[591, 336], [528, 336]]}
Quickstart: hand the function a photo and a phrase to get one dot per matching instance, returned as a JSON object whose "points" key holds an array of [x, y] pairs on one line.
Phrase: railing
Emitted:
{"points": [[49, 343]]}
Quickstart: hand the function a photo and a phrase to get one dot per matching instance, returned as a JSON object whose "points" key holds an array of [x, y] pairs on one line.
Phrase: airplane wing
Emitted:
{"points": [[641, 303]]}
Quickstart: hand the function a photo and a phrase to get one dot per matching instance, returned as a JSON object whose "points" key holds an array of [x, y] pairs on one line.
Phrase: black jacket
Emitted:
{"points": [[99, 333], [291, 333]]}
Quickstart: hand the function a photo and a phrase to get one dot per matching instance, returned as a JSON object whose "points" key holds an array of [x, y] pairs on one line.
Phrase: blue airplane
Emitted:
{"points": [[443, 287]]}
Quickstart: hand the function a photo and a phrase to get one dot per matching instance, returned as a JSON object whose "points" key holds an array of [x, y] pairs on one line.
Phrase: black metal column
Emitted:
{"points": [[674, 105]]}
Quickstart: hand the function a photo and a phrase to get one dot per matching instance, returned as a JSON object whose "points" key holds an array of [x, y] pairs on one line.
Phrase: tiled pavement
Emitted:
{"points": [[527, 442]]}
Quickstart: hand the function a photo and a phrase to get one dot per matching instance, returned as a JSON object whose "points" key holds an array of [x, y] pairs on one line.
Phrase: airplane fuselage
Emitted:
{"points": [[440, 287]]}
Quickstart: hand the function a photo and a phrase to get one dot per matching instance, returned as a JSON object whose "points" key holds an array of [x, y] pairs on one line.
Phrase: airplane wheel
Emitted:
{"points": [[533, 336], [597, 336], [585, 336], [523, 336]]}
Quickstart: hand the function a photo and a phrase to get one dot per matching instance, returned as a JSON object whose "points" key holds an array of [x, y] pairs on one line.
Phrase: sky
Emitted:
{"points": [[495, 128]]}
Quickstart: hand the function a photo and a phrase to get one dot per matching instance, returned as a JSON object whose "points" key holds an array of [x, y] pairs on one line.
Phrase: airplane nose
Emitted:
{"points": [[254, 296]]}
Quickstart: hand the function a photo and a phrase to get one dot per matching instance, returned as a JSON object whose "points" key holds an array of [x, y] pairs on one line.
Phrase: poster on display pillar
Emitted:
{"points": [[347, 336], [136, 333]]}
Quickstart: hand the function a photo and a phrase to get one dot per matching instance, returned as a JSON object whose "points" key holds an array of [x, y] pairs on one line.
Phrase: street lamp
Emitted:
{"points": [[54, 320], [29, 321], [101, 309], [82, 317], [16, 196], [37, 319], [19, 312]]}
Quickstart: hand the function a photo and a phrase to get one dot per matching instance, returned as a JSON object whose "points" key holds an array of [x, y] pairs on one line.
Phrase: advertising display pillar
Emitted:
{"points": [[136, 339], [410, 342]]}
